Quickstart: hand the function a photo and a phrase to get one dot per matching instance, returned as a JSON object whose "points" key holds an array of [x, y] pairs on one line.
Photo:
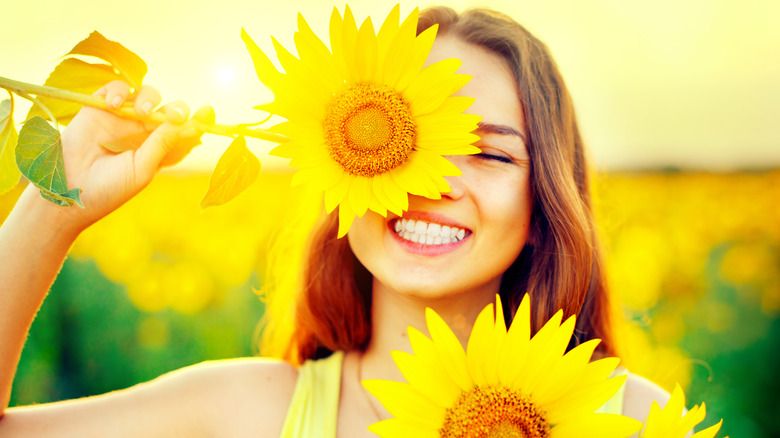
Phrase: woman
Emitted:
{"points": [[522, 214]]}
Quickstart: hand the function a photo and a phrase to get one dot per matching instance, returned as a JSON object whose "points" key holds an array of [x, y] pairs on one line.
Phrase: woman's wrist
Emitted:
{"points": [[47, 220]]}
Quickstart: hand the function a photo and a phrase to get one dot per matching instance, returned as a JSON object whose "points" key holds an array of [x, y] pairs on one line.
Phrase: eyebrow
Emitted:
{"points": [[499, 129]]}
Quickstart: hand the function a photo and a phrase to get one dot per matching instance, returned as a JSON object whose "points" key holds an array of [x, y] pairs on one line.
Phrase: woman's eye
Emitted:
{"points": [[493, 157]]}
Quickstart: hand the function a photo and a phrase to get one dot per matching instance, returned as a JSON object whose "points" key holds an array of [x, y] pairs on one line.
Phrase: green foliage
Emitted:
{"points": [[9, 174], [39, 157], [69, 87], [88, 338], [236, 170]]}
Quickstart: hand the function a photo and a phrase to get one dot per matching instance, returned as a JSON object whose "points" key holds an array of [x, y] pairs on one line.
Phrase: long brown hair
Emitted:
{"points": [[560, 266]]}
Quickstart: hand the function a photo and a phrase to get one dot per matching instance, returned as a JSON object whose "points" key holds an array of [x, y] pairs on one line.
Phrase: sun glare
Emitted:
{"points": [[226, 75]]}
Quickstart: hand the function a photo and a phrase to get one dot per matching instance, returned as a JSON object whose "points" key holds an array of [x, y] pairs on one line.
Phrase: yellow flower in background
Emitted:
{"points": [[506, 384], [367, 123], [670, 422]]}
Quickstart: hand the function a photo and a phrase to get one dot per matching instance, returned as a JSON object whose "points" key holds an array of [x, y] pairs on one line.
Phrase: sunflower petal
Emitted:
{"points": [[396, 193], [434, 84], [349, 32], [427, 379], [265, 69], [346, 217], [417, 56], [708, 432], [396, 61], [385, 36], [596, 426], [360, 194], [312, 48], [547, 351], [366, 46], [396, 427], [584, 400], [480, 346], [449, 350], [337, 192], [403, 400], [567, 371], [512, 357], [378, 191]]}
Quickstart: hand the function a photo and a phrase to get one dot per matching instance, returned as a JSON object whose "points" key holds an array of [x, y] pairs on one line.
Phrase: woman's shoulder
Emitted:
{"points": [[246, 394], [640, 393]]}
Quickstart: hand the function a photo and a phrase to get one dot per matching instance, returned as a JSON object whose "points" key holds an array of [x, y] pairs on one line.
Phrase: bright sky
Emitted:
{"points": [[691, 83]]}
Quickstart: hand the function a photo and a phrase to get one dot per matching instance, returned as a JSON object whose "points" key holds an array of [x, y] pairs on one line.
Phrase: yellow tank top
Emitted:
{"points": [[314, 406]]}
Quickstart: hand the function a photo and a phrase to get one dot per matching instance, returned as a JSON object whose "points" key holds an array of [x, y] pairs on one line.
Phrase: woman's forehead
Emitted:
{"points": [[492, 83]]}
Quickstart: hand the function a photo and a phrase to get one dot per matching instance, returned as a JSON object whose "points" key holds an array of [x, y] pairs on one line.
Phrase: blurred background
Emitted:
{"points": [[679, 103]]}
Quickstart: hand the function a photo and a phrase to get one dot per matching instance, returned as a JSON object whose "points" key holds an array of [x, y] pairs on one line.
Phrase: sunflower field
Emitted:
{"points": [[693, 260]]}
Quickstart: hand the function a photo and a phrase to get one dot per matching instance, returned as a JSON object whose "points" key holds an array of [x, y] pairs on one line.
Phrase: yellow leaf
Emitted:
{"points": [[73, 75], [129, 65], [9, 173], [236, 170]]}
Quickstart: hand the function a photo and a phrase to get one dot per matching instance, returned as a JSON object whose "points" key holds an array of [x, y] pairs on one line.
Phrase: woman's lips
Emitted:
{"points": [[428, 234]]}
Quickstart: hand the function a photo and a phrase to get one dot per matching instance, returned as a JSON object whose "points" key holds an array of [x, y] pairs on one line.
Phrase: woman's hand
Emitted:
{"points": [[109, 179]]}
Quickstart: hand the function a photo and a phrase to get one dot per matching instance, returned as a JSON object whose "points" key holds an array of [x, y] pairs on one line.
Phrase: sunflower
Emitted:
{"points": [[506, 384], [670, 422], [366, 123]]}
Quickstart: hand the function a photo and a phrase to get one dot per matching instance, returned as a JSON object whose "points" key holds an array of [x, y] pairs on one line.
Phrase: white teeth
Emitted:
{"points": [[428, 233]]}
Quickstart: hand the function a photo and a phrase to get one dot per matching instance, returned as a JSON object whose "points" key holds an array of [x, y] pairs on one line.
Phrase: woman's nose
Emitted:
{"points": [[456, 183]]}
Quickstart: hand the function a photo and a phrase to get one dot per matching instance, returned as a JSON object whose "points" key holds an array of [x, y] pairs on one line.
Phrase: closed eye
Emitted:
{"points": [[493, 157]]}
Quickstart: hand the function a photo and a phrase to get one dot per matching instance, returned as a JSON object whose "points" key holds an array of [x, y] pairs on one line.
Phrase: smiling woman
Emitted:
{"points": [[513, 220]]}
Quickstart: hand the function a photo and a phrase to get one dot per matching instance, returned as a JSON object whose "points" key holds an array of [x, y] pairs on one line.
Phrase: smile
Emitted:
{"points": [[418, 231]]}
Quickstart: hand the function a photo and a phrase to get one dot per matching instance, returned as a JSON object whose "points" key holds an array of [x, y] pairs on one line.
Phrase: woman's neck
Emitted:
{"points": [[392, 313]]}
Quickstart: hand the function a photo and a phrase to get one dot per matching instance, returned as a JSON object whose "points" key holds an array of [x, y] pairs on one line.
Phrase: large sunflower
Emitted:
{"points": [[670, 422], [506, 384], [367, 123]]}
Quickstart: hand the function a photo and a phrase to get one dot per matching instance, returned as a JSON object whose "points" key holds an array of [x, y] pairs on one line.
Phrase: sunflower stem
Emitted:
{"points": [[126, 111]]}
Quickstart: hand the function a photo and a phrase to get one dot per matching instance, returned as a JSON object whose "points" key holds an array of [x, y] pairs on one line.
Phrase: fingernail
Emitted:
{"points": [[180, 112], [147, 108], [116, 101]]}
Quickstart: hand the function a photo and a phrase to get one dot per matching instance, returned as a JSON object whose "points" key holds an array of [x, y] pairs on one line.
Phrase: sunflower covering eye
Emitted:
{"points": [[367, 123], [506, 383]]}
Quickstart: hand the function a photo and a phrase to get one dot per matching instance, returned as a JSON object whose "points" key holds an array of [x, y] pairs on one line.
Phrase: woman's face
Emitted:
{"points": [[489, 206]]}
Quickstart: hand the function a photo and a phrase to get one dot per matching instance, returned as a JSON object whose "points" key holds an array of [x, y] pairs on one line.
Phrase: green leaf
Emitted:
{"points": [[9, 173], [39, 157], [130, 65], [236, 170], [73, 75]]}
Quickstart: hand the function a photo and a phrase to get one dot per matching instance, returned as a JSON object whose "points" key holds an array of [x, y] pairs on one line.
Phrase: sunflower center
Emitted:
{"points": [[369, 129], [494, 411]]}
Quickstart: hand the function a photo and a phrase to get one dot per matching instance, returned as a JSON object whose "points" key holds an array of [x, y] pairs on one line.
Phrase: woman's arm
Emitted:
{"points": [[37, 235], [229, 398]]}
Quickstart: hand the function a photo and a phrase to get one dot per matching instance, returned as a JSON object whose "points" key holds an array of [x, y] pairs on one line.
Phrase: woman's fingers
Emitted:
{"points": [[176, 111], [171, 142], [115, 92], [146, 100]]}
